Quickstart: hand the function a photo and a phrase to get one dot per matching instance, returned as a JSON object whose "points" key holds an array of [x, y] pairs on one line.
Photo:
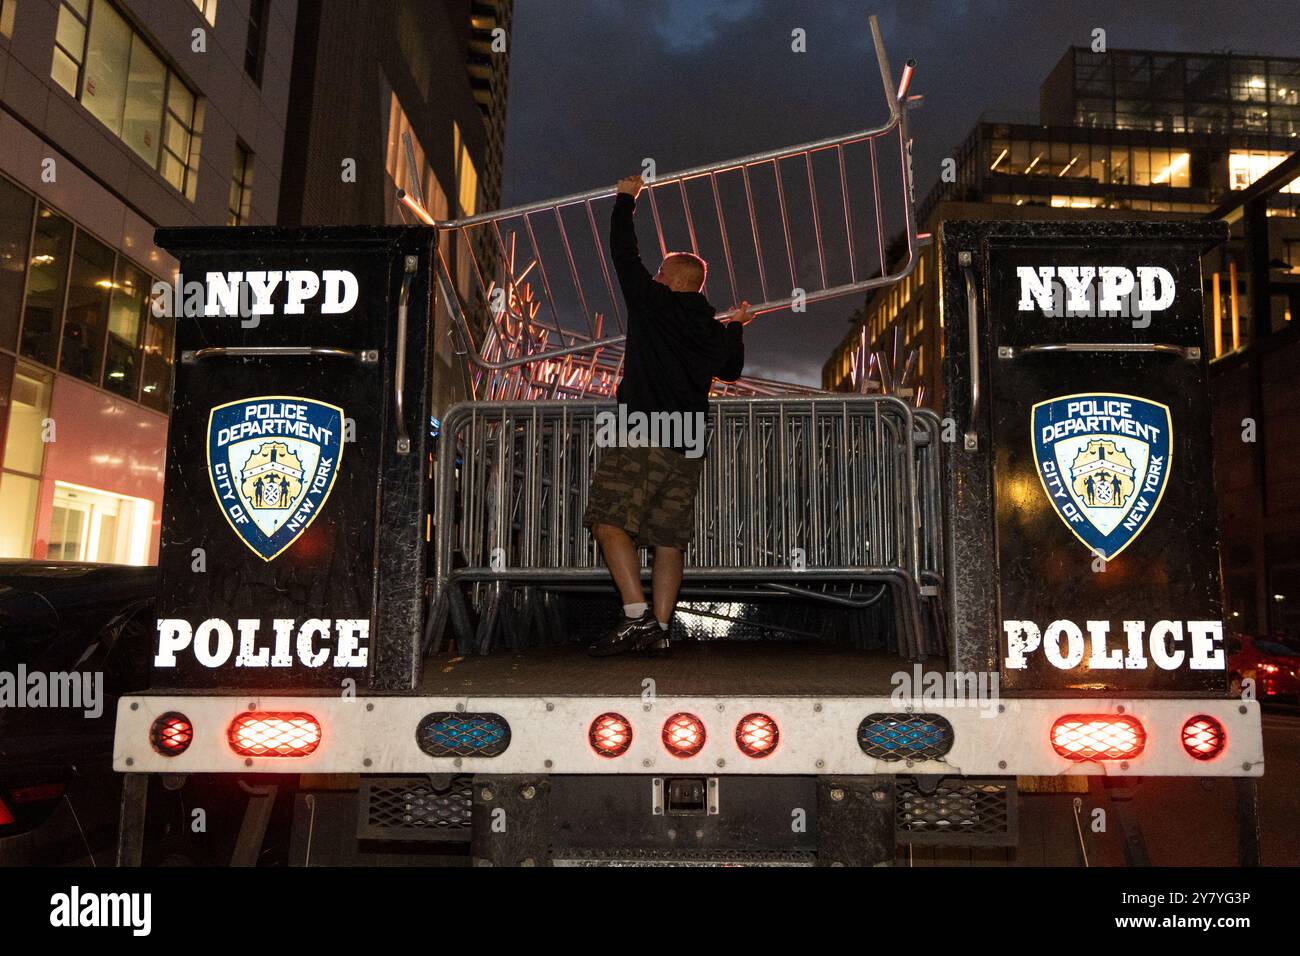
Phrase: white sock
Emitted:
{"points": [[663, 625], [636, 610]]}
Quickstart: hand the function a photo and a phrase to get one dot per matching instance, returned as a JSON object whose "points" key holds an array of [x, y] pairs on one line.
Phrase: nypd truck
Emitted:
{"points": [[904, 634]]}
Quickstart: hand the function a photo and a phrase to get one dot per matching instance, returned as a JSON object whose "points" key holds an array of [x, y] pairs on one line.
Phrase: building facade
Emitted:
{"points": [[120, 116], [117, 116], [407, 95], [1134, 135], [1126, 134]]}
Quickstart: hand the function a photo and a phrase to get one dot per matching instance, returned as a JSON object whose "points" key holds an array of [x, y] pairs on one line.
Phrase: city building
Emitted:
{"points": [[1124, 134], [1141, 134], [120, 116], [406, 95], [117, 116], [1256, 394], [489, 73]]}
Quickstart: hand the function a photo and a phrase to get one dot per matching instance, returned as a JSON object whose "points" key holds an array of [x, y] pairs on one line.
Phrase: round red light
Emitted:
{"points": [[611, 735], [756, 735], [171, 734], [1203, 737], [684, 735]]}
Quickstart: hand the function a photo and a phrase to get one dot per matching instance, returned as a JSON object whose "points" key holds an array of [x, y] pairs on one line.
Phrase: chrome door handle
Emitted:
{"points": [[191, 357], [410, 265], [971, 439], [1189, 352]]}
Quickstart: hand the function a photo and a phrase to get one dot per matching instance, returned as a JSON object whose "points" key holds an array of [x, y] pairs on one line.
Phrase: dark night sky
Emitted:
{"points": [[595, 85]]}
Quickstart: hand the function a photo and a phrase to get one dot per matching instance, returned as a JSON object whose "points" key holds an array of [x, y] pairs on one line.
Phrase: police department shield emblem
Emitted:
{"points": [[1103, 460], [272, 461]]}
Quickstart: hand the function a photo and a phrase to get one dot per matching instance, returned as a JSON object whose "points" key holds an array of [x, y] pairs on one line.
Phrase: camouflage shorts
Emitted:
{"points": [[648, 492]]}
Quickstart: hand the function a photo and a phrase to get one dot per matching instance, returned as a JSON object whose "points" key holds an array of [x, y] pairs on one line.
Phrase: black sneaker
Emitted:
{"points": [[660, 648], [632, 634]]}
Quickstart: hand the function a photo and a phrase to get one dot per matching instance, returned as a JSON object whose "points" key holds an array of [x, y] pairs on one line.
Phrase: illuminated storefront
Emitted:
{"points": [[114, 120], [85, 381]]}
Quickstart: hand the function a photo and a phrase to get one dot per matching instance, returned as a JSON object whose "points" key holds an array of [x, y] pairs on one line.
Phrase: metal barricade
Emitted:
{"points": [[815, 497], [531, 294]]}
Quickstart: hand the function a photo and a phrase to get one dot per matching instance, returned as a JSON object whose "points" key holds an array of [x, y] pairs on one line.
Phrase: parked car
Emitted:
{"points": [[73, 638], [1271, 664]]}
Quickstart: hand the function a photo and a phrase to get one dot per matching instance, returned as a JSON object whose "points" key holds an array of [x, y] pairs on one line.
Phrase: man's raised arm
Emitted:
{"points": [[632, 274]]}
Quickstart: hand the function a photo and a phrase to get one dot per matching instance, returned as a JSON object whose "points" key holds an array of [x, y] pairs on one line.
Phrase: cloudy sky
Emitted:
{"points": [[596, 85]]}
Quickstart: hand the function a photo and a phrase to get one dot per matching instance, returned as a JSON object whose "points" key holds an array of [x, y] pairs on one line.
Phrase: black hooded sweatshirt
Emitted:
{"points": [[675, 347]]}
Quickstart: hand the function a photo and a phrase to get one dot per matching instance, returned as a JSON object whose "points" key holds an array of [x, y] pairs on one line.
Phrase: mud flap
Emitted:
{"points": [[855, 821]]}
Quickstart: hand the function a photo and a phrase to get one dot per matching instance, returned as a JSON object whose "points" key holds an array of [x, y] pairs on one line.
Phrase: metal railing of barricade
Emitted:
{"points": [[795, 495], [929, 505], [757, 212]]}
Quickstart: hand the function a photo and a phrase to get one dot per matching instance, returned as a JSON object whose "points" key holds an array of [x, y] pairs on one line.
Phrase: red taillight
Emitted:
{"points": [[260, 734], [6, 817], [40, 793], [684, 735], [171, 734], [1098, 737], [756, 735], [1203, 737], [611, 735]]}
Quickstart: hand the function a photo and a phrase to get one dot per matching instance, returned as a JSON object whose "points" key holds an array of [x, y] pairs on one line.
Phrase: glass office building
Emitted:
{"points": [[114, 122], [1125, 134]]}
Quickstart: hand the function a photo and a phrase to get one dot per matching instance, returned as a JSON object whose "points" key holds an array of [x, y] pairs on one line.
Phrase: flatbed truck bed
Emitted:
{"points": [[695, 669]]}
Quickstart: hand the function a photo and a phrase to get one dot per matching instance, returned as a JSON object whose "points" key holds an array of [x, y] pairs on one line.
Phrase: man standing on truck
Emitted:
{"points": [[643, 495]]}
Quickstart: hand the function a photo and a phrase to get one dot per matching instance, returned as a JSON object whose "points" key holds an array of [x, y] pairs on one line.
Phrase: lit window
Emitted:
{"points": [[90, 524], [209, 10], [16, 207], [24, 451], [69, 44], [126, 321], [46, 279], [180, 156], [399, 167], [7, 17], [466, 174], [156, 383], [121, 81], [1076, 202], [142, 118], [1175, 173], [106, 68], [241, 188], [29, 409], [1246, 166], [85, 319], [406, 169], [18, 496]]}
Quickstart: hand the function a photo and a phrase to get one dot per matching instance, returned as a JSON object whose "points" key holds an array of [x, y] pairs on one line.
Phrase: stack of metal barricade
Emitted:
{"points": [[834, 500]]}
